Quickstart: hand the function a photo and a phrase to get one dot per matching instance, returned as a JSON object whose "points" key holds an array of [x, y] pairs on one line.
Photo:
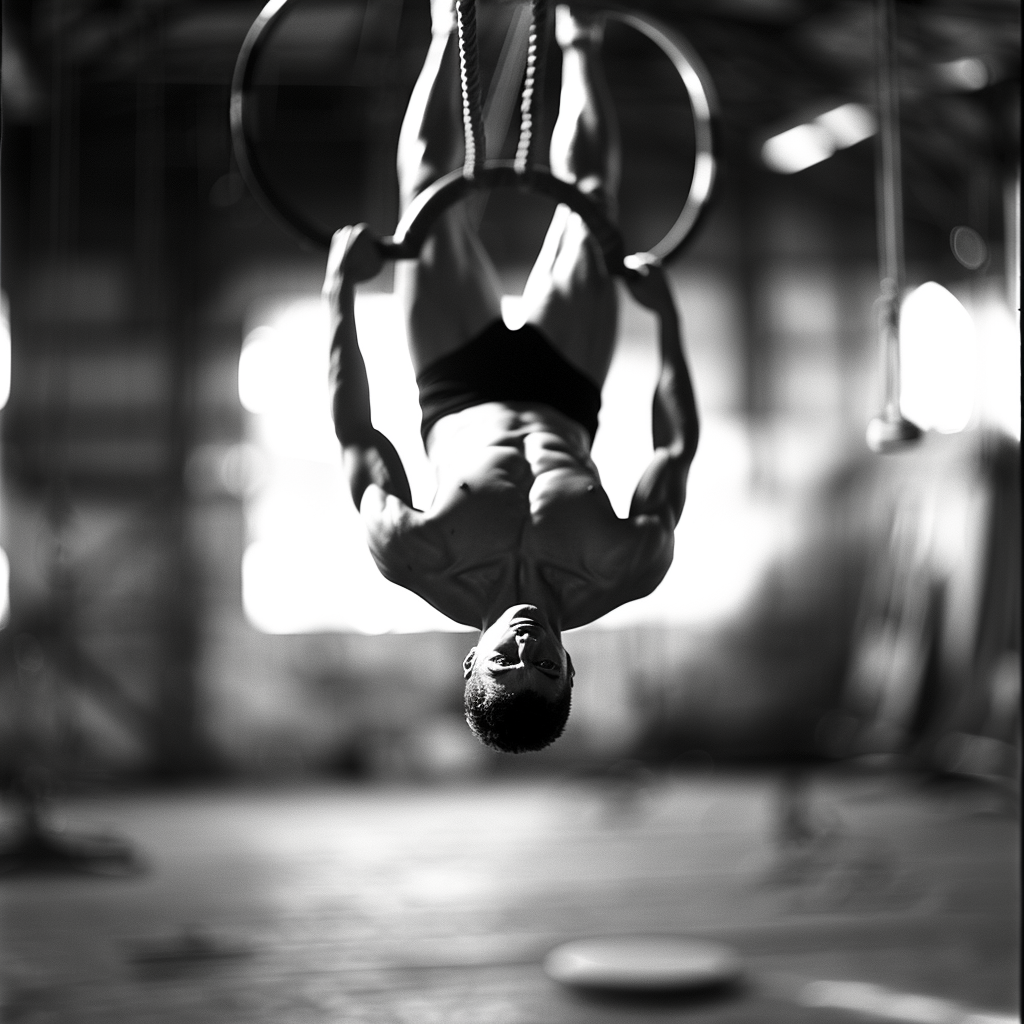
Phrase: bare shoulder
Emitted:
{"points": [[411, 550], [402, 540], [647, 551]]}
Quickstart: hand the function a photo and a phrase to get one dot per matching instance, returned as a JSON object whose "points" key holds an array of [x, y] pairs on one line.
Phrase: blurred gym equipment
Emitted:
{"points": [[644, 965]]}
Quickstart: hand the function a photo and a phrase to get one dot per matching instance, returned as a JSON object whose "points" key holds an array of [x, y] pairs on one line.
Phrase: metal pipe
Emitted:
{"points": [[889, 430]]}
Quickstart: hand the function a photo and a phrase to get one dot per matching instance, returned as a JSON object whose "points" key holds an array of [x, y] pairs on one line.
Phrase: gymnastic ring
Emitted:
{"points": [[241, 118], [497, 174], [704, 105], [423, 212]]}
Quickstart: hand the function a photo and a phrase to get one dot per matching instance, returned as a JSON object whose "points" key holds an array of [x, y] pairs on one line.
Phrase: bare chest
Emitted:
{"points": [[518, 516]]}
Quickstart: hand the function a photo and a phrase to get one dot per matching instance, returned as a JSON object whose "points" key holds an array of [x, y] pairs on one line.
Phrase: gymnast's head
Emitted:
{"points": [[518, 682]]}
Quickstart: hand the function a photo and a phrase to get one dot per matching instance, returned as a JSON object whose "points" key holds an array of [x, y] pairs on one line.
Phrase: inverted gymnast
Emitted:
{"points": [[521, 539]]}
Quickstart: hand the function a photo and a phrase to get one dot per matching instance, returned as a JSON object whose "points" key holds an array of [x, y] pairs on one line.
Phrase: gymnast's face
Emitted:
{"points": [[520, 650]]}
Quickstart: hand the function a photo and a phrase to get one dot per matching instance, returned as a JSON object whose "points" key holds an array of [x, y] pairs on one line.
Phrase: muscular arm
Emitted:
{"points": [[369, 458], [405, 549], [674, 423]]}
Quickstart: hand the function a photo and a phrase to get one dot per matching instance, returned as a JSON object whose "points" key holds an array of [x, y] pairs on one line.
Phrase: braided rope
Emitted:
{"points": [[469, 74], [533, 83]]}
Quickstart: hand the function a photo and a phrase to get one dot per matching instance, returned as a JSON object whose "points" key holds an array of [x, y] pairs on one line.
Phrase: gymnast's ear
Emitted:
{"points": [[467, 665]]}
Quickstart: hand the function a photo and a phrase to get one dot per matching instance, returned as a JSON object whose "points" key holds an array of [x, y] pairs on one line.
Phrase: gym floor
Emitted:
{"points": [[848, 897]]}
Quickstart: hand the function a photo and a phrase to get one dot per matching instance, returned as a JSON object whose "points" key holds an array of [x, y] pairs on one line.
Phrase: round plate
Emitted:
{"points": [[643, 964]]}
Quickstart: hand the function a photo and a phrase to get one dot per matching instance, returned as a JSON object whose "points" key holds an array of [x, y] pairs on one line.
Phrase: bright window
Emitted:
{"points": [[306, 567], [939, 360]]}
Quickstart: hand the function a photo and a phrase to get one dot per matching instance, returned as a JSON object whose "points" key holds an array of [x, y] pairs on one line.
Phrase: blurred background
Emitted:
{"points": [[185, 588], [805, 742]]}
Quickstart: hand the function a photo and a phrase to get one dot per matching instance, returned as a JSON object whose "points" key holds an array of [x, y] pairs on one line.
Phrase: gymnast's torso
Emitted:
{"points": [[519, 511]]}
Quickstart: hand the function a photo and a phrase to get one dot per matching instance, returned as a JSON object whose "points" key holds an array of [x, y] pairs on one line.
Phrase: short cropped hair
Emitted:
{"points": [[515, 722]]}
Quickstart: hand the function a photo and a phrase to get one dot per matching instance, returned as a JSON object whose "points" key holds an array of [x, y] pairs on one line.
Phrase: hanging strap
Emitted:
{"points": [[531, 103], [476, 172], [531, 98], [469, 77]]}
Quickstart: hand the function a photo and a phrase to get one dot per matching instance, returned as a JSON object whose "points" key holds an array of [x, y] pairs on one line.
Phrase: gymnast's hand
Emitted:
{"points": [[355, 256], [649, 286]]}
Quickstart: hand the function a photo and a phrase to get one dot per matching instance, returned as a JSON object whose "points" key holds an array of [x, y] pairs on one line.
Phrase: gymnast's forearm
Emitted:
{"points": [[375, 463], [350, 389], [661, 490], [674, 421], [367, 454]]}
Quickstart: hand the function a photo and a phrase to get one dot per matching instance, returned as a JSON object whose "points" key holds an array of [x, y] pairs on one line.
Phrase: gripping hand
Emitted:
{"points": [[355, 256], [647, 284]]}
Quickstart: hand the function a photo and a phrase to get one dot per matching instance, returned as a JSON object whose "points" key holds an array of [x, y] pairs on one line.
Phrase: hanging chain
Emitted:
{"points": [[533, 84], [469, 74]]}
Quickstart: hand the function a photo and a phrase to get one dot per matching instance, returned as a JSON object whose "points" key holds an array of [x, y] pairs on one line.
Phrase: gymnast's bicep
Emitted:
{"points": [[646, 554]]}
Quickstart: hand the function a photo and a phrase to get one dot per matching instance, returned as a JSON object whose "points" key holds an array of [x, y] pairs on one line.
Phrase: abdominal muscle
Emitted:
{"points": [[514, 479], [533, 447]]}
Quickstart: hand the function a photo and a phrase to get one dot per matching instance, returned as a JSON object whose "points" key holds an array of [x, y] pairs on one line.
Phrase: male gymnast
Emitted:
{"points": [[521, 540]]}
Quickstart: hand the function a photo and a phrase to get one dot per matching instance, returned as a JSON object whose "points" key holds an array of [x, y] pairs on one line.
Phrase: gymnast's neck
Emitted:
{"points": [[548, 608]]}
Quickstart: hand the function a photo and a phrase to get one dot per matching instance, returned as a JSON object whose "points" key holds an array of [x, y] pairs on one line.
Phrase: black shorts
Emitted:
{"points": [[501, 365]]}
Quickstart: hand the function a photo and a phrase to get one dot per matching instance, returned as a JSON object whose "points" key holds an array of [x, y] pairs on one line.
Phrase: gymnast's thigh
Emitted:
{"points": [[450, 293], [571, 298]]}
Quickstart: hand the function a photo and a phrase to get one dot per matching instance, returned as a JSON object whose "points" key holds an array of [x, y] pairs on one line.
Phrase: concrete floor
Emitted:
{"points": [[887, 901]]}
